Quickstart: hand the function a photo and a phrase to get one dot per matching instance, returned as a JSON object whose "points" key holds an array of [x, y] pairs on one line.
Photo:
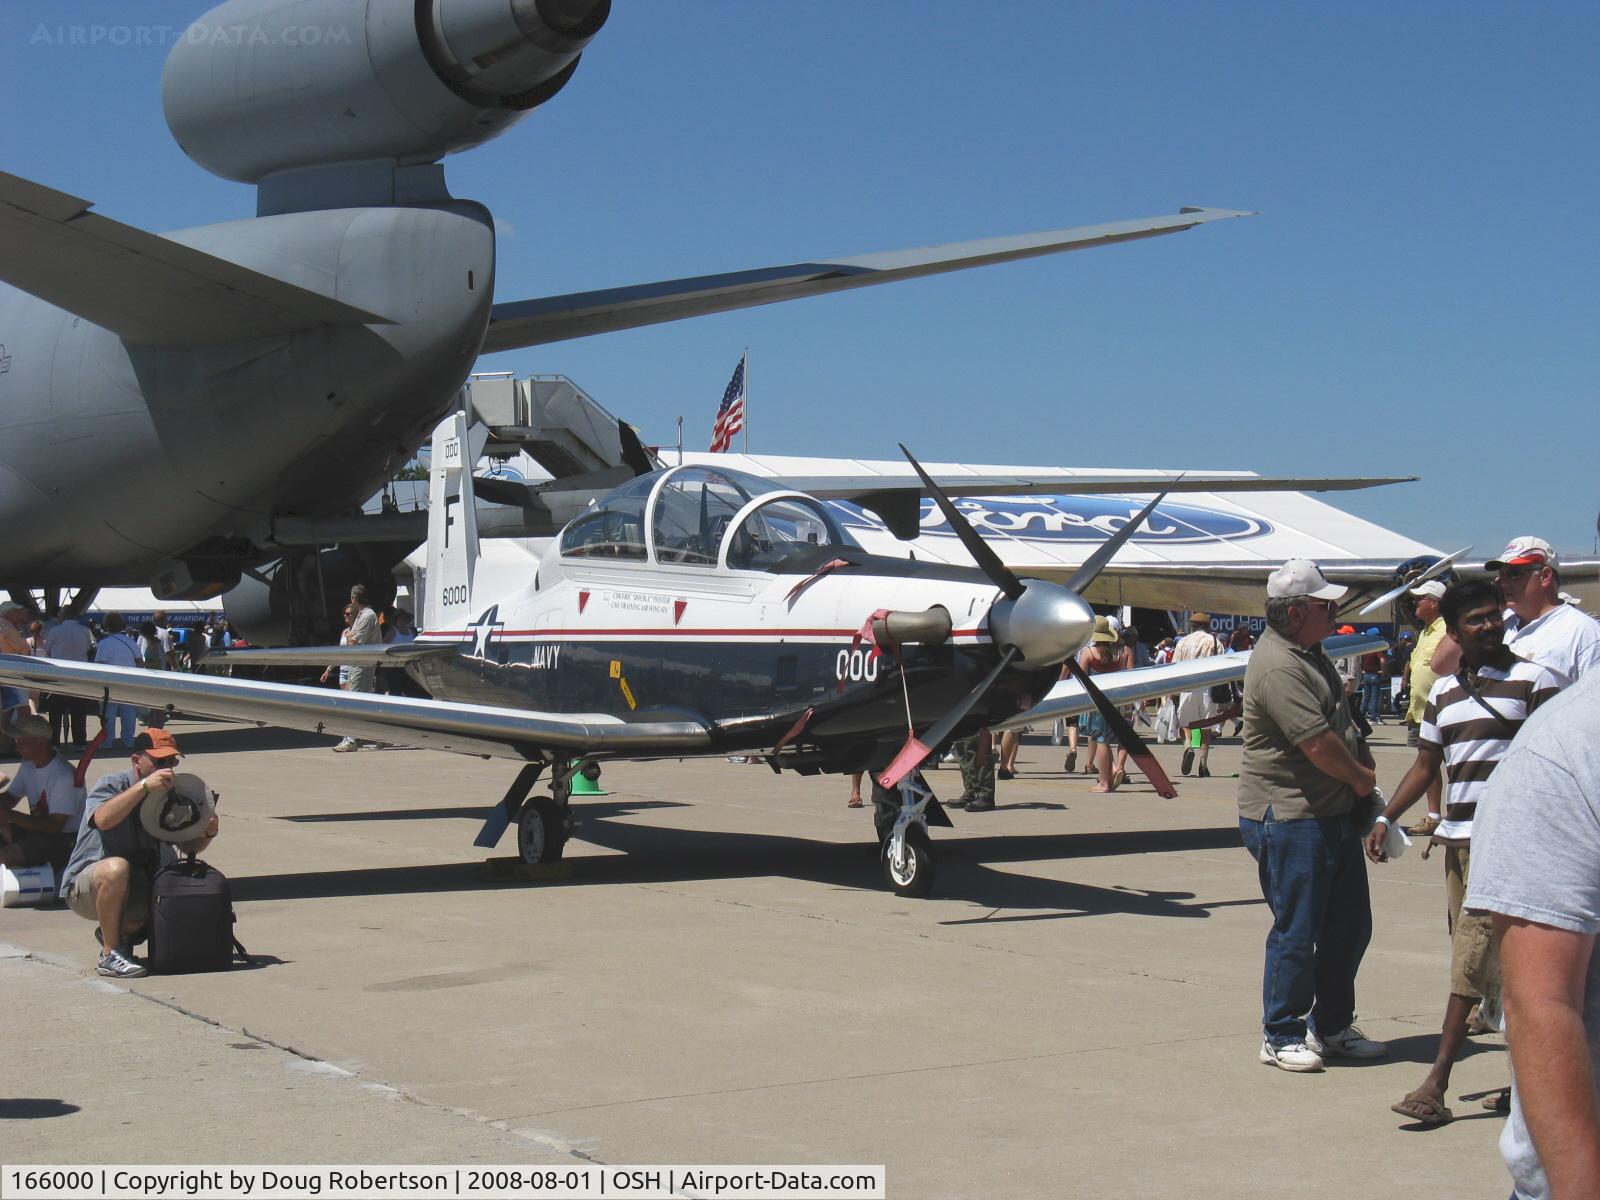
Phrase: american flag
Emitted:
{"points": [[730, 417]]}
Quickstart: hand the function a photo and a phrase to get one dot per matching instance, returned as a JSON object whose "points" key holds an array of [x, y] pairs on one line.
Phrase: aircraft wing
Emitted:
{"points": [[378, 655], [1068, 699], [149, 289], [579, 314], [431, 724]]}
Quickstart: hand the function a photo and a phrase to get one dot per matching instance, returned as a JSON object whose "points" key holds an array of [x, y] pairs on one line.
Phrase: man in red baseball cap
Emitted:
{"points": [[108, 877], [1548, 631]]}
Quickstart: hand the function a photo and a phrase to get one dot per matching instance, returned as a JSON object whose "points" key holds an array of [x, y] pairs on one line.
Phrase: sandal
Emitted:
{"points": [[1119, 778], [1072, 761], [1498, 1102], [855, 802], [1423, 1108]]}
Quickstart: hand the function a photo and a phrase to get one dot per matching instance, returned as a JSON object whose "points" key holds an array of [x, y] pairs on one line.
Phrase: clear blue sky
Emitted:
{"points": [[1418, 297]]}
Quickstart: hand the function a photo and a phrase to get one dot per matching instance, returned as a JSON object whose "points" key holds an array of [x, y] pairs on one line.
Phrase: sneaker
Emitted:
{"points": [[347, 745], [1349, 1042], [1425, 826], [1294, 1056], [118, 965], [1188, 759], [979, 804], [1205, 771]]}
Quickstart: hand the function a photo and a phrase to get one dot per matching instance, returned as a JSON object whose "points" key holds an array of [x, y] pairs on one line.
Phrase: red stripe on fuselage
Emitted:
{"points": [[499, 634]]}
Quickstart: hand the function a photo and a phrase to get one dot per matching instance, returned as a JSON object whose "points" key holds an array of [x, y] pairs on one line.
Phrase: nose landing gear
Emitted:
{"points": [[901, 815]]}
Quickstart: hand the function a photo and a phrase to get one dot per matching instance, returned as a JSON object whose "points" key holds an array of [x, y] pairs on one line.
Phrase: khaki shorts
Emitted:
{"points": [[80, 897], [1474, 958]]}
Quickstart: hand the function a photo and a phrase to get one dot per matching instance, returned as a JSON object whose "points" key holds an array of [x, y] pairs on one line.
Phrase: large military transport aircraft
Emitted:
{"points": [[253, 382], [697, 611]]}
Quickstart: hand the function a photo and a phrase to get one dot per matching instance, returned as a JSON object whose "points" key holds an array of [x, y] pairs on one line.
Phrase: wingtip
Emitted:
{"points": [[1216, 214]]}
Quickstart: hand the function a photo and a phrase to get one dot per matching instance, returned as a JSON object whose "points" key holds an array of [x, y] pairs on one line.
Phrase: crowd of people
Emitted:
{"points": [[106, 841], [1499, 692]]}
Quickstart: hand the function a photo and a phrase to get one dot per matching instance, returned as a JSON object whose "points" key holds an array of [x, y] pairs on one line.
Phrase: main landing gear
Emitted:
{"points": [[544, 823], [901, 815]]}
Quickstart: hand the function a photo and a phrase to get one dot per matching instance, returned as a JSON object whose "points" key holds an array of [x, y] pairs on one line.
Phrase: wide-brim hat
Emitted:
{"points": [[1103, 633], [180, 814]]}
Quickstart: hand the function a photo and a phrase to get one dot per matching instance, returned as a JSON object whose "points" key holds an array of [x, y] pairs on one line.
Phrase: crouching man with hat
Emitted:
{"points": [[134, 823]]}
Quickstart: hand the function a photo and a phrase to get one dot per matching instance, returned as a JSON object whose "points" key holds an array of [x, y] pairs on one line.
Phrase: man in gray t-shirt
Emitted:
{"points": [[1536, 867]]}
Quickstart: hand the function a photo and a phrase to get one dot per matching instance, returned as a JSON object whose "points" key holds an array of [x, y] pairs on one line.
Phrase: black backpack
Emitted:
{"points": [[191, 920]]}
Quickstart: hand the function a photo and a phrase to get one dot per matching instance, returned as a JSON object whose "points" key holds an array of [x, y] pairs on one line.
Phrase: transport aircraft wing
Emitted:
{"points": [[1068, 699], [431, 724], [149, 289], [579, 314]]}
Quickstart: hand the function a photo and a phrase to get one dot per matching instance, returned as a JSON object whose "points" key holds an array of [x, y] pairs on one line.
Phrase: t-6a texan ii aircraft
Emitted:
{"points": [[698, 610], [240, 376]]}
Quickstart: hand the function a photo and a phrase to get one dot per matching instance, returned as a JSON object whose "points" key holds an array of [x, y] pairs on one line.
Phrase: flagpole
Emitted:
{"points": [[680, 441], [746, 361]]}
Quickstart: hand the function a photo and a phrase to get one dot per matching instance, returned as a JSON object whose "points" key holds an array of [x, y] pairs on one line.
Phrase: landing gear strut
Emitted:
{"points": [[544, 823], [901, 817]]}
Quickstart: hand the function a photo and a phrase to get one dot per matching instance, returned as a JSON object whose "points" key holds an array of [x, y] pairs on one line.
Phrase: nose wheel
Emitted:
{"points": [[906, 851]]}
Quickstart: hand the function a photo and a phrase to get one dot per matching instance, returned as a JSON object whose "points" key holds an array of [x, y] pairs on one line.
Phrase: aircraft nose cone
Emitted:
{"points": [[1047, 624]]}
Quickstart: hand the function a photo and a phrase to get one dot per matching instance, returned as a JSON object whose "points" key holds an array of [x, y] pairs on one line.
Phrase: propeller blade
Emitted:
{"points": [[1125, 733], [1096, 562], [1438, 568], [916, 749], [970, 537]]}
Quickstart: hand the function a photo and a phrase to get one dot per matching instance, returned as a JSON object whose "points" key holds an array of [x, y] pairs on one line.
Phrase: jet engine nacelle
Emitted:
{"points": [[256, 87]]}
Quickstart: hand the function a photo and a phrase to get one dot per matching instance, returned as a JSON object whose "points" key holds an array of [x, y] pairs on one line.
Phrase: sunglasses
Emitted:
{"points": [[1512, 574]]}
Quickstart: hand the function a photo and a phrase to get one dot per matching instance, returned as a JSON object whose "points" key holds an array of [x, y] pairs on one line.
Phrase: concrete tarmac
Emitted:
{"points": [[718, 974]]}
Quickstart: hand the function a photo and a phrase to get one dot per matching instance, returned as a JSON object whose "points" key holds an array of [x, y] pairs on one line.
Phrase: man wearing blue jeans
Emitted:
{"points": [[1304, 790]]}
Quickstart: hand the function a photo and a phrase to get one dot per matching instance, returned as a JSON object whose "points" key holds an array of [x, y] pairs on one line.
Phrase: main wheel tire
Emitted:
{"points": [[913, 877], [541, 832]]}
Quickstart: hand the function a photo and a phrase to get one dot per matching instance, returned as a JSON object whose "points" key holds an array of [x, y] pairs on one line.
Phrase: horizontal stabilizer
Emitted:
{"points": [[149, 289], [579, 314], [1068, 698], [431, 724]]}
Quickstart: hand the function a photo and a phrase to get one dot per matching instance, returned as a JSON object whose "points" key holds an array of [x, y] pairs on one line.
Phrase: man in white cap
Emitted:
{"points": [[46, 832], [1420, 671], [1304, 807], [1550, 632]]}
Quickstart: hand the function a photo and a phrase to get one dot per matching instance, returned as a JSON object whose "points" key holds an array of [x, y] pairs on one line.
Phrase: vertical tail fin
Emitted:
{"points": [[452, 522]]}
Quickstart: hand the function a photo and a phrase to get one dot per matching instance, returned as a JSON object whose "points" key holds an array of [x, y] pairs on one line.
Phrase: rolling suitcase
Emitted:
{"points": [[191, 920]]}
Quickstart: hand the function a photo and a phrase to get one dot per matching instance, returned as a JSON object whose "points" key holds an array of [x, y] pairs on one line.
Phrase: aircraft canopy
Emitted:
{"points": [[702, 516]]}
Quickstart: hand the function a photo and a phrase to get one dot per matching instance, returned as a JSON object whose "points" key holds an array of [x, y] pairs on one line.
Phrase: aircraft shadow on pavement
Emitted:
{"points": [[32, 1108], [658, 854]]}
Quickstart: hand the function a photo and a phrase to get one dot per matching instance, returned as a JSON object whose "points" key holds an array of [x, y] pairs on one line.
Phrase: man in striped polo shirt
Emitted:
{"points": [[1467, 725]]}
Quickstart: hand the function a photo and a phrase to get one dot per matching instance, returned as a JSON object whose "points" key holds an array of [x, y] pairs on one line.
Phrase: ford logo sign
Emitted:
{"points": [[1073, 519]]}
